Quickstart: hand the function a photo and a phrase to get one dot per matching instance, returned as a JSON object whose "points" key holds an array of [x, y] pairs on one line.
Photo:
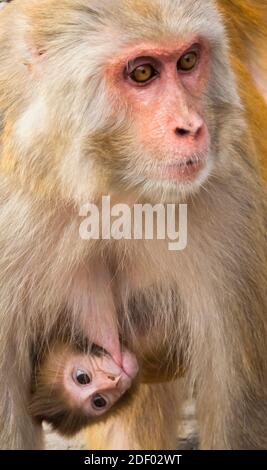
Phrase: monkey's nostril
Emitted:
{"points": [[181, 132], [111, 377]]}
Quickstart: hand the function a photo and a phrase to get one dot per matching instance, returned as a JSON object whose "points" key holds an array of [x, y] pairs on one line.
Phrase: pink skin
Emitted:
{"points": [[170, 102], [103, 331], [106, 379]]}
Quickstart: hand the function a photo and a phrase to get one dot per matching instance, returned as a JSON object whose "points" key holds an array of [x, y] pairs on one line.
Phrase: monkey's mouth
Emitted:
{"points": [[181, 170]]}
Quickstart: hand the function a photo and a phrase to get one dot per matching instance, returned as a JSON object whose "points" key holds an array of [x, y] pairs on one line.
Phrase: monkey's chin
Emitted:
{"points": [[175, 182]]}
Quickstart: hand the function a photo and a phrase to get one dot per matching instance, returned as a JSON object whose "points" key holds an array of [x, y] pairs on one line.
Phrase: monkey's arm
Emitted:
{"points": [[91, 299]]}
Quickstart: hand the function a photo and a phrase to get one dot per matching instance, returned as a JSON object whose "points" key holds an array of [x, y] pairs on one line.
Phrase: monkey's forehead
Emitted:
{"points": [[127, 21]]}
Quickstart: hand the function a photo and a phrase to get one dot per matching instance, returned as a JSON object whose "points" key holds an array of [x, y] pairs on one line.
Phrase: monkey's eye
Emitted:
{"points": [[82, 378], [143, 73], [99, 402], [187, 62]]}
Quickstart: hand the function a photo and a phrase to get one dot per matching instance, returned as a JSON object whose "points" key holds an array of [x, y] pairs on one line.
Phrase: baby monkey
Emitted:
{"points": [[72, 388]]}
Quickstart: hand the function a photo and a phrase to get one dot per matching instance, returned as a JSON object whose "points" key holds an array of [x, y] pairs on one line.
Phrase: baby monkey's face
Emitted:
{"points": [[95, 383]]}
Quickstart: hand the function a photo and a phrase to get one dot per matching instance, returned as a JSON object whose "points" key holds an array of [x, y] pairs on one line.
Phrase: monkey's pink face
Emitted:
{"points": [[96, 383], [163, 87]]}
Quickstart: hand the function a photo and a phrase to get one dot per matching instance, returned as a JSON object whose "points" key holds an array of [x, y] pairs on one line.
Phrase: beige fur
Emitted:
{"points": [[209, 302]]}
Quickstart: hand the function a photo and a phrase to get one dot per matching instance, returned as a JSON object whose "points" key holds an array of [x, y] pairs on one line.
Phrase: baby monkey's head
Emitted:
{"points": [[72, 388]]}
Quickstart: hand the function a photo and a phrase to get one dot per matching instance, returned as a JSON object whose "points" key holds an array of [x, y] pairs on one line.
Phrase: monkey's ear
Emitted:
{"points": [[33, 59]]}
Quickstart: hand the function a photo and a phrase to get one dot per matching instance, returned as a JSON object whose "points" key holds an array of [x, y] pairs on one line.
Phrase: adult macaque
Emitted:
{"points": [[72, 388], [137, 100]]}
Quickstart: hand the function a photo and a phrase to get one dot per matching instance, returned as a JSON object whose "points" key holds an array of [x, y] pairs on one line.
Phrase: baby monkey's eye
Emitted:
{"points": [[99, 402], [143, 73], [82, 378]]}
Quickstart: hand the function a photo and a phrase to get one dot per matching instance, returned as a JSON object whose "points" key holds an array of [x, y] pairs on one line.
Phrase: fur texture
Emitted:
{"points": [[61, 145]]}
